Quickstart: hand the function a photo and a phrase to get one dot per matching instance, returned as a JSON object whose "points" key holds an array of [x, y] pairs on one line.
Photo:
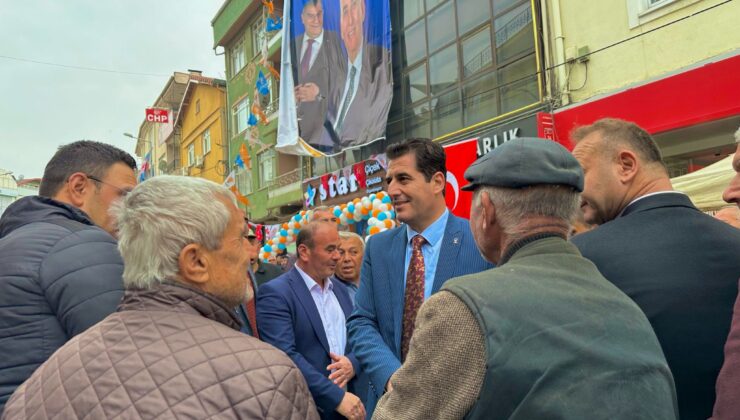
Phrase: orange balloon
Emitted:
{"points": [[380, 195], [374, 230], [283, 239], [376, 212], [285, 226], [297, 225], [356, 200], [388, 223], [364, 211]]}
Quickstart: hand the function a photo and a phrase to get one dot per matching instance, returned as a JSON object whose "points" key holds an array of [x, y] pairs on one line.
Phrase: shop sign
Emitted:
{"points": [[158, 115], [346, 184], [527, 127]]}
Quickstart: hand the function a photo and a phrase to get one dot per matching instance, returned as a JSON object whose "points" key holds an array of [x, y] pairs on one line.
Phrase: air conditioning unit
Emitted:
{"points": [[199, 161]]}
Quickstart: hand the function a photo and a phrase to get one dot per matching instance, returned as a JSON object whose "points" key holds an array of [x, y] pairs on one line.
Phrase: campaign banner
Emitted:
{"points": [[336, 83], [459, 157]]}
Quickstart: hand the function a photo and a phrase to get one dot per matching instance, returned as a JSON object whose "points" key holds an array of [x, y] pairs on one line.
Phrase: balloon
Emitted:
{"points": [[283, 239], [382, 216], [281, 246], [386, 199], [296, 231], [268, 249], [372, 221], [384, 207], [297, 218], [374, 230], [284, 232], [351, 207], [388, 223], [376, 203], [337, 211]]}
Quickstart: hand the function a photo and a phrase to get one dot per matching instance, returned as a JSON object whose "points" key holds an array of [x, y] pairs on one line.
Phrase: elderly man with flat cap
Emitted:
{"points": [[543, 335]]}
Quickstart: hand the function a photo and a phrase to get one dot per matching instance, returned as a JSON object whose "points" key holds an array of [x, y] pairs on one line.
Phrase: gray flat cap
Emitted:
{"points": [[523, 162]]}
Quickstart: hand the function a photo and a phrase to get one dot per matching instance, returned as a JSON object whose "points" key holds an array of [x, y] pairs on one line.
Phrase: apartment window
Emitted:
{"points": [[191, 154], [237, 57], [244, 181], [207, 141], [267, 167], [257, 31], [643, 11], [240, 115], [197, 106]]}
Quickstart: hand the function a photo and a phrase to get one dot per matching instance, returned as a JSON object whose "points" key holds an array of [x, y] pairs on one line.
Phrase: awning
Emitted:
{"points": [[706, 185]]}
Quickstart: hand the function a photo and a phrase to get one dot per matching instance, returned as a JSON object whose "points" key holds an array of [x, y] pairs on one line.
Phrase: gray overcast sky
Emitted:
{"points": [[42, 106]]}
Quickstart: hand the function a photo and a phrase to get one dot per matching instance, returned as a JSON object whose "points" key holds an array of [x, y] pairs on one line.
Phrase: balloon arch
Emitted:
{"points": [[376, 209]]}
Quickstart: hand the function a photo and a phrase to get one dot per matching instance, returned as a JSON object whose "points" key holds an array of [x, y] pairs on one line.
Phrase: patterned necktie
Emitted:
{"points": [[414, 295], [348, 98], [252, 310], [306, 61]]}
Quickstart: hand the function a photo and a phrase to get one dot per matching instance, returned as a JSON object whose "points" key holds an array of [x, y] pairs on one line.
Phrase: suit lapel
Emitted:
{"points": [[304, 297], [451, 244], [343, 299], [395, 277]]}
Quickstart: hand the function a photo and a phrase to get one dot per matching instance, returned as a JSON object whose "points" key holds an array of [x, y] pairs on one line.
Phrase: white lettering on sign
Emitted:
{"points": [[337, 186], [506, 136]]}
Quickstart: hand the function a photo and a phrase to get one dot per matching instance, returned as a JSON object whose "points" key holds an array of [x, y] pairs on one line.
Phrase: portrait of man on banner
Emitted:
{"points": [[339, 95]]}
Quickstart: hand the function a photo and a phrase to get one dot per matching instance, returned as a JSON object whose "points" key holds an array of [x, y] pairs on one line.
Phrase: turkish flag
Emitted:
{"points": [[459, 157]]}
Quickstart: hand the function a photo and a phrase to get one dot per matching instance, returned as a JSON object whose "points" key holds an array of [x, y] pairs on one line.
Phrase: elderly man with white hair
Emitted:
{"points": [[174, 348]]}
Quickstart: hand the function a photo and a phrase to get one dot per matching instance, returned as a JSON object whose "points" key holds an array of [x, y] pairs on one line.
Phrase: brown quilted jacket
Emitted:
{"points": [[170, 352]]}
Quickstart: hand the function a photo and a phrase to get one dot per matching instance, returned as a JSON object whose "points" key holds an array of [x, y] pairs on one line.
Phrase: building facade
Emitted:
{"points": [[669, 65], [202, 126], [158, 143], [270, 180]]}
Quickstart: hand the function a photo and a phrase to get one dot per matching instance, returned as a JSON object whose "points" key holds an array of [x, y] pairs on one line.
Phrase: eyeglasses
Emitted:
{"points": [[121, 191]]}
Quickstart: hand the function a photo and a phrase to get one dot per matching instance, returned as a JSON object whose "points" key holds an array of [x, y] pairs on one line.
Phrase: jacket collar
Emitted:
{"points": [[663, 199], [34, 209], [170, 296], [521, 243]]}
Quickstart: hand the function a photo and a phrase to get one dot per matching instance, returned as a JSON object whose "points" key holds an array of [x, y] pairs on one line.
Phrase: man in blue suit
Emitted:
{"points": [[304, 313], [404, 266]]}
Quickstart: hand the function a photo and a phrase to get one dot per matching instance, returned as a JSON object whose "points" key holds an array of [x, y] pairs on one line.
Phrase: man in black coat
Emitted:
{"points": [[60, 270], [679, 265]]}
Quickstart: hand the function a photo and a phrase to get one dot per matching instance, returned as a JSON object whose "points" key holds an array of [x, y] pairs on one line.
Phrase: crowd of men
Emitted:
{"points": [[149, 301]]}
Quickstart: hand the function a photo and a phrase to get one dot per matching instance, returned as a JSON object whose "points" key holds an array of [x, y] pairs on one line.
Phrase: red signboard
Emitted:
{"points": [[158, 115], [459, 157]]}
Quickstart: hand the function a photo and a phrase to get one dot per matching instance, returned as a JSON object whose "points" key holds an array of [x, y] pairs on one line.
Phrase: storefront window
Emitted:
{"points": [[412, 9], [446, 115], [513, 33], [415, 42], [443, 69], [477, 54], [471, 13], [418, 121], [517, 84], [416, 80], [476, 51], [480, 99], [441, 26]]}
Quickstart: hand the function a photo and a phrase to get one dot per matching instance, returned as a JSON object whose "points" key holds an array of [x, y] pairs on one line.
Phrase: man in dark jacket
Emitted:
{"points": [[173, 349], [679, 265], [60, 271]]}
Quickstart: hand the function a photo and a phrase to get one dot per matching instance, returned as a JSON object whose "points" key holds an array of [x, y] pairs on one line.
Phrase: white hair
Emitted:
{"points": [[350, 235], [160, 217], [514, 205]]}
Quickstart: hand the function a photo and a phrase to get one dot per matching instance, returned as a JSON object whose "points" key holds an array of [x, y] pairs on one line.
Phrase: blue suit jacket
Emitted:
{"points": [[290, 321], [375, 325]]}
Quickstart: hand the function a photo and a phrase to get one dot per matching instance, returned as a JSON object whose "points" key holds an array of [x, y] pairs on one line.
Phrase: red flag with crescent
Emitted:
{"points": [[459, 157]]}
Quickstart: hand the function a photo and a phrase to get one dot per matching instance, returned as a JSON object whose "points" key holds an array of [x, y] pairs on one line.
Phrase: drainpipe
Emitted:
{"points": [[560, 53]]}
